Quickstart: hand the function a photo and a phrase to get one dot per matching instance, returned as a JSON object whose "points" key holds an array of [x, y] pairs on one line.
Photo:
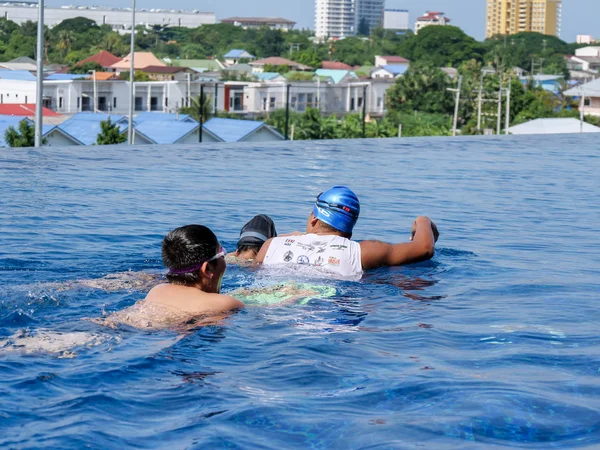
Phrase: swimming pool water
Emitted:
{"points": [[494, 342]]}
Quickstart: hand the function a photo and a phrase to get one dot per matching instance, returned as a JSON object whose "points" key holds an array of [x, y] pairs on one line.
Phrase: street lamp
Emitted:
{"points": [[131, 74], [39, 117]]}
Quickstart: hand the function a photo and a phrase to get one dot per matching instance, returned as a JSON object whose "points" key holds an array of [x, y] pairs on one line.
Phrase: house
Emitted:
{"points": [[233, 130], [553, 126], [337, 76], [335, 65], [141, 60], [275, 23], [199, 65], [51, 133], [431, 18], [17, 86], [103, 58], [450, 71], [172, 132], [85, 127], [163, 117], [583, 63], [167, 73], [21, 63], [551, 83], [381, 61], [590, 94], [389, 71], [235, 56], [275, 61]]}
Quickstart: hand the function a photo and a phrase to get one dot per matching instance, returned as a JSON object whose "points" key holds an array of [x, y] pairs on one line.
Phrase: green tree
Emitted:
{"points": [[363, 27], [85, 68], [76, 25], [137, 76], [422, 88], [110, 134], [194, 109], [64, 41], [442, 46], [23, 136]]}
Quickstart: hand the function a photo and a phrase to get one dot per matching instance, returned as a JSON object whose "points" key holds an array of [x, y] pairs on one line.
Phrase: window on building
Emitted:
{"points": [[139, 103], [166, 101], [115, 102], [264, 103], [154, 104], [272, 103], [78, 102], [1, 98], [379, 102], [60, 102], [25, 99], [360, 102], [587, 101]]}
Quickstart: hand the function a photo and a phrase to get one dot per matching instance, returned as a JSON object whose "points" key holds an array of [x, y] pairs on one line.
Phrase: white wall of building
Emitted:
{"points": [[57, 139], [396, 19], [263, 135], [588, 51], [16, 91], [117, 18]]}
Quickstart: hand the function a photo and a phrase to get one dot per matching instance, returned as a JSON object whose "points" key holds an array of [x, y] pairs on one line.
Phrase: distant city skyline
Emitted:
{"points": [[579, 16]]}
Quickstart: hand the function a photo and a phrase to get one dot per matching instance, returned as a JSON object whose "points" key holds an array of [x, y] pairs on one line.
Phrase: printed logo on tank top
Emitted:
{"points": [[333, 261], [303, 259], [338, 247], [288, 256]]}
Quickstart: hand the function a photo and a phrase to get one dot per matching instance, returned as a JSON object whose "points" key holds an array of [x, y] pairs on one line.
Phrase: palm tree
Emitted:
{"points": [[194, 109], [65, 40]]}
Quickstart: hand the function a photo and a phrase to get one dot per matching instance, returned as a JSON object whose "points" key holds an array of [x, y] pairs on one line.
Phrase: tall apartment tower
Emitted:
{"points": [[341, 18], [515, 16]]}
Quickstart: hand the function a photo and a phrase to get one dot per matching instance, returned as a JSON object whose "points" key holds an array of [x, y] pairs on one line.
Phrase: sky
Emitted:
{"points": [[579, 16]]}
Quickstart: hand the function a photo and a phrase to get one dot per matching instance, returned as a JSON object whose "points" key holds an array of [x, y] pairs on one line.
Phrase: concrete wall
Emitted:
{"points": [[588, 51], [13, 91], [58, 139]]}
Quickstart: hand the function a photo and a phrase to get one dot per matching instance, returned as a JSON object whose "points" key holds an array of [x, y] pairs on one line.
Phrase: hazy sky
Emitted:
{"points": [[579, 16]]}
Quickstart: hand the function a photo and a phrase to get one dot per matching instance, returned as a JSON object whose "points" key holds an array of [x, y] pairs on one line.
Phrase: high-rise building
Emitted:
{"points": [[342, 18], [516, 16], [396, 19], [431, 18]]}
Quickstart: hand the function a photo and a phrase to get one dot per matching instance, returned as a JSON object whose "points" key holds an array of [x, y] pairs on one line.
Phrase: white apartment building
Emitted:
{"points": [[118, 18], [341, 18], [396, 19], [431, 18]]}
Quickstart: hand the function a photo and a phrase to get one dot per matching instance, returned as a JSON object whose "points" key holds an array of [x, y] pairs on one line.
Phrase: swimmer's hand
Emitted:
{"points": [[434, 229]]}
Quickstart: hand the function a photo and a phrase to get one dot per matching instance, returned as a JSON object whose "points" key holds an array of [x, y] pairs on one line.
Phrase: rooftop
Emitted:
{"points": [[168, 70], [553, 126], [232, 130], [104, 58], [24, 110], [277, 61], [141, 60], [335, 65], [238, 53], [85, 127], [265, 20], [19, 75]]}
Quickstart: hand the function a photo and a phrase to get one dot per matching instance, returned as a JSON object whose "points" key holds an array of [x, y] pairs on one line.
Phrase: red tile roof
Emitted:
{"points": [[24, 110], [335, 65], [104, 58], [395, 59]]}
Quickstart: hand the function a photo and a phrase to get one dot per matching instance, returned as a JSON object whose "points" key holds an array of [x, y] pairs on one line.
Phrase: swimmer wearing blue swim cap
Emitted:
{"points": [[327, 245]]}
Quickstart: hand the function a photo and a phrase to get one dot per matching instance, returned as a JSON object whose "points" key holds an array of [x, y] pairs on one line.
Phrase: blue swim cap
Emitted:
{"points": [[338, 207]]}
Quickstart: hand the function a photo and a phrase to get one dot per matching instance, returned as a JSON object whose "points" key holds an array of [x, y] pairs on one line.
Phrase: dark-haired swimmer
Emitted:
{"points": [[253, 235], [196, 263]]}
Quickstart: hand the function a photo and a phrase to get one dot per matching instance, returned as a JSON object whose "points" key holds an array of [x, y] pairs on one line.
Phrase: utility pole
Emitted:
{"points": [[581, 113], [287, 111], [499, 126], [39, 104], [507, 120], [457, 104], [130, 131], [479, 104], [364, 115], [201, 112], [95, 92]]}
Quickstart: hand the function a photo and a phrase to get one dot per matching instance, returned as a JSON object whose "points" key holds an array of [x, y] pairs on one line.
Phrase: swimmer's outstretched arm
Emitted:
{"points": [[421, 248]]}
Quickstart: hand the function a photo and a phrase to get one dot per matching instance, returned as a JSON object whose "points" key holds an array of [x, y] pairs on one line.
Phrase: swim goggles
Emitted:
{"points": [[222, 253], [335, 207]]}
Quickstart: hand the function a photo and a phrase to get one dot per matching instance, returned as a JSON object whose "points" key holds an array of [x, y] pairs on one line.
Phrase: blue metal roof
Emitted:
{"points": [[267, 76], [85, 127], [20, 75], [336, 75], [162, 117], [166, 131], [66, 77], [13, 121], [238, 53], [396, 69], [232, 130]]}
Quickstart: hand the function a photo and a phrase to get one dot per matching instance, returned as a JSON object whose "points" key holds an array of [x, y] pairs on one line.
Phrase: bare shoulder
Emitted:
{"points": [[214, 303], [260, 257]]}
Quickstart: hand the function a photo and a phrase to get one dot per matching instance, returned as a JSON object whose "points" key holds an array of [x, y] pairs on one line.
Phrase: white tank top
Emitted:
{"points": [[332, 254]]}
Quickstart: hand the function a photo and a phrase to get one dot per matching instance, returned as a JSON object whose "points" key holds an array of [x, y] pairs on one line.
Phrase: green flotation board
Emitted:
{"points": [[283, 293]]}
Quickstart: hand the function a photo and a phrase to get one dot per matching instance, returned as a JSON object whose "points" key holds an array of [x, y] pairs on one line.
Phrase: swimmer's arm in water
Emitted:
{"points": [[376, 254], [263, 252]]}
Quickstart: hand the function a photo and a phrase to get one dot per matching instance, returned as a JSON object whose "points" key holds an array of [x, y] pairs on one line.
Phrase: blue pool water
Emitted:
{"points": [[492, 343]]}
